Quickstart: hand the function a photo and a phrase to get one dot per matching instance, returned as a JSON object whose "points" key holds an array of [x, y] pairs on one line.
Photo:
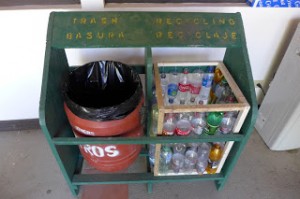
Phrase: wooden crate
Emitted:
{"points": [[241, 106]]}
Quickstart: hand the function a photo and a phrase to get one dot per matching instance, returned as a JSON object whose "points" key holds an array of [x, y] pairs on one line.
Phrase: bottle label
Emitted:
{"points": [[172, 89], [195, 89], [207, 80], [213, 164], [203, 101], [182, 132], [166, 155], [225, 129], [166, 132], [183, 87]]}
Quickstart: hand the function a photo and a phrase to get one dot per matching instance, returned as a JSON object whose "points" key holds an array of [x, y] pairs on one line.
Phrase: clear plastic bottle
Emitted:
{"points": [[177, 162], [201, 164], [198, 122], [203, 150], [219, 91], [179, 148], [227, 122], [164, 83], [195, 85], [224, 94], [154, 112], [172, 87], [166, 154], [165, 158], [169, 125], [229, 98], [183, 87], [190, 160], [204, 94], [151, 155], [203, 154], [183, 126]]}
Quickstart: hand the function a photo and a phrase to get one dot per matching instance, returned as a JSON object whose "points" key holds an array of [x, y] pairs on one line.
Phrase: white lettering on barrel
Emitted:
{"points": [[88, 149], [98, 151], [86, 132], [110, 151]]}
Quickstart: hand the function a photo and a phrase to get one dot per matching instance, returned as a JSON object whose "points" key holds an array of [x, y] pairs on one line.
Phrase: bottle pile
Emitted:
{"points": [[196, 123], [196, 87], [190, 158]]}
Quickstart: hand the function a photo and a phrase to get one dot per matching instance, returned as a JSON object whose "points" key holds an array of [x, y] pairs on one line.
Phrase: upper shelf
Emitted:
{"points": [[145, 29]]}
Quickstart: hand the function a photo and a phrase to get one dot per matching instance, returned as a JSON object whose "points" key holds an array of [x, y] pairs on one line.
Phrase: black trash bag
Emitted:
{"points": [[102, 91]]}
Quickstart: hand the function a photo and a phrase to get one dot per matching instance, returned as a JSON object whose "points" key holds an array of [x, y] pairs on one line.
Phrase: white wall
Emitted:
{"points": [[23, 37]]}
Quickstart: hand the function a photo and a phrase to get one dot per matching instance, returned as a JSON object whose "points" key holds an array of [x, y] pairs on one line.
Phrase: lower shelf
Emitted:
{"points": [[132, 178], [136, 173]]}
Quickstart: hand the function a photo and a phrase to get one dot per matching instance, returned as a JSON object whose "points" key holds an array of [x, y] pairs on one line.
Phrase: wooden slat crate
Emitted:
{"points": [[241, 106]]}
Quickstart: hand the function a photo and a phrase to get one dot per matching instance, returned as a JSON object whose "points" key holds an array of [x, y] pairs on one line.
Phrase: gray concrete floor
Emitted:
{"points": [[28, 171]]}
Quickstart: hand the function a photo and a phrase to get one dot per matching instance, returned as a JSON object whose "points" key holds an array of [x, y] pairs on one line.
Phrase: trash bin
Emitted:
{"points": [[105, 99]]}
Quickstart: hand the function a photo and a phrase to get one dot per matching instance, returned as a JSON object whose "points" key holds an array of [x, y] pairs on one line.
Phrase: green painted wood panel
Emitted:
{"points": [[144, 29], [129, 178], [146, 140]]}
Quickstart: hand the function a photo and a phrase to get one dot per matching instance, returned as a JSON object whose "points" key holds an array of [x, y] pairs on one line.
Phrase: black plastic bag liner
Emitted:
{"points": [[103, 90]]}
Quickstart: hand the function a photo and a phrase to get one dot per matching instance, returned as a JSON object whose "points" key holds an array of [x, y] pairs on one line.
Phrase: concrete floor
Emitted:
{"points": [[28, 171]]}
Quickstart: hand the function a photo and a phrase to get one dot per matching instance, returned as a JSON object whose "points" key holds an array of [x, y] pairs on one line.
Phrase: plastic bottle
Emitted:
{"points": [[219, 91], [179, 148], [164, 83], [229, 98], [183, 87], [201, 164], [213, 121], [177, 162], [183, 126], [172, 88], [217, 77], [190, 160], [203, 154], [195, 85], [227, 122], [165, 158], [198, 123], [215, 156], [165, 155], [154, 112], [151, 155], [209, 76], [169, 125], [204, 94], [204, 150], [224, 95]]}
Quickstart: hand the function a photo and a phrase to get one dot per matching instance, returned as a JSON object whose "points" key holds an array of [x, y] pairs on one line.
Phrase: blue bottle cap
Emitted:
{"points": [[171, 101]]}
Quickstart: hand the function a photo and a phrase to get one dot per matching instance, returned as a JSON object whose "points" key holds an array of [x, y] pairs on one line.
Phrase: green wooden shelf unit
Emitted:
{"points": [[138, 30]]}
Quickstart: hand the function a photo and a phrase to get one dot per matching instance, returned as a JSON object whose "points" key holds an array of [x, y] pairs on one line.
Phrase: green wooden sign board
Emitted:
{"points": [[144, 29]]}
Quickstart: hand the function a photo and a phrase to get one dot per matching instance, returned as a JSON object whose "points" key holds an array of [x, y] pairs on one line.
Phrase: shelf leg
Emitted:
{"points": [[220, 184], [150, 187], [74, 190]]}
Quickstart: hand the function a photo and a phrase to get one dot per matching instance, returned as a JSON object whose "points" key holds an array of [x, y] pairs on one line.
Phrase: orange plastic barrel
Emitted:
{"points": [[104, 99], [109, 158]]}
